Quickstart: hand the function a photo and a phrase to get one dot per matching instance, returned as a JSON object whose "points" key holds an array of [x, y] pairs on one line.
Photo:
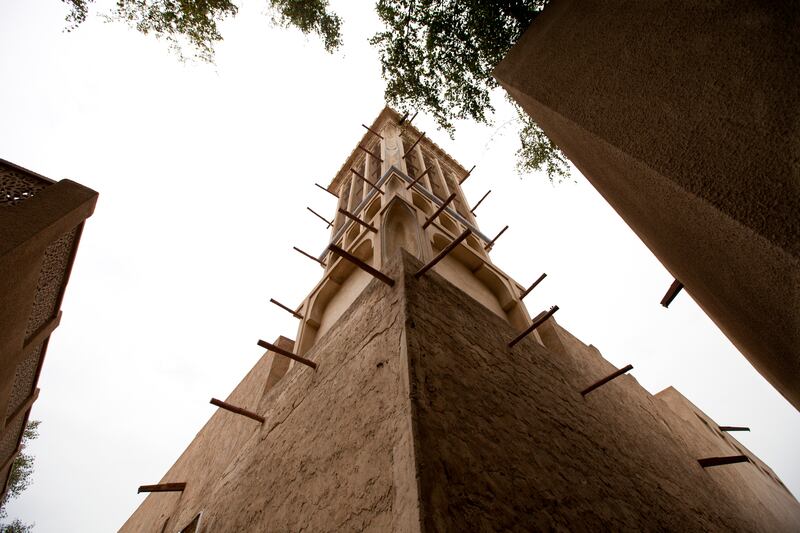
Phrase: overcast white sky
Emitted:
{"points": [[204, 173]]}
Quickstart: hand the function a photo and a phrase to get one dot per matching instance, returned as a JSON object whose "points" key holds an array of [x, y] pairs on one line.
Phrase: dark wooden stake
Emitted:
{"points": [[468, 174], [163, 487], [370, 153], [326, 190], [606, 379], [414, 145], [479, 202], [719, 461], [354, 218], [309, 256], [237, 410], [362, 265], [325, 220], [447, 249], [491, 243], [533, 286], [439, 211], [733, 428], [357, 173], [417, 178], [372, 131], [285, 308], [285, 353], [403, 118], [672, 292], [413, 117], [536, 323]]}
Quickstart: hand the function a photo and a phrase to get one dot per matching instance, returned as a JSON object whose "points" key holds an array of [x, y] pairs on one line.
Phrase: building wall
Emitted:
{"points": [[419, 418], [685, 116]]}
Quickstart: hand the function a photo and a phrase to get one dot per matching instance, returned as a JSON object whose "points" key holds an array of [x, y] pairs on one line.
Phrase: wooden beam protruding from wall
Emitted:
{"points": [[719, 461], [357, 220], [533, 286], [237, 410], [672, 292], [322, 218], [326, 190], [413, 145], [365, 180], [286, 308], [618, 373], [439, 211], [163, 487], [418, 178], [372, 131], [480, 201], [469, 172], [536, 323], [733, 428], [310, 256], [287, 353], [441, 255], [370, 153], [491, 243], [361, 264]]}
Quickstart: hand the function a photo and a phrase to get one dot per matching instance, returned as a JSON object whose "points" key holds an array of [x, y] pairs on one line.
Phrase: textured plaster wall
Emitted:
{"points": [[419, 418], [686, 118]]}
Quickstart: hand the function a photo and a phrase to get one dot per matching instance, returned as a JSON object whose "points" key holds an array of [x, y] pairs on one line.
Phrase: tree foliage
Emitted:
{"points": [[19, 479], [436, 56]]}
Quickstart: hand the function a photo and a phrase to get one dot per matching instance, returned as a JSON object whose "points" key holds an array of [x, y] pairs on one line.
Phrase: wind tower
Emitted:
{"points": [[419, 395]]}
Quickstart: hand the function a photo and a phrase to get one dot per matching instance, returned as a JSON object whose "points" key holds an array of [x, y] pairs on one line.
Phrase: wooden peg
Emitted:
{"points": [[357, 220], [536, 323], [309, 256], [672, 292], [449, 248], [403, 118], [365, 180], [285, 308], [413, 117], [529, 289], [373, 131], [606, 379], [362, 265], [286, 353], [491, 243], [326, 190], [163, 487], [479, 202], [468, 174], [417, 178], [719, 461], [439, 211], [370, 153], [414, 145], [328, 222], [733, 428], [237, 410]]}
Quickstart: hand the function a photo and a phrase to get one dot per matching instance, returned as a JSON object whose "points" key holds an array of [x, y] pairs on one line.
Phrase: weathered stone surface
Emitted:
{"points": [[419, 418]]}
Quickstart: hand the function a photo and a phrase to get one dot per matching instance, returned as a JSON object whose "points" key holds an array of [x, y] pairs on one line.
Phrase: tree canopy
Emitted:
{"points": [[19, 479], [436, 56]]}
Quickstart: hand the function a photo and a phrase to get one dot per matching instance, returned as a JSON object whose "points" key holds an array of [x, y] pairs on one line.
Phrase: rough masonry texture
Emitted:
{"points": [[420, 418], [685, 116]]}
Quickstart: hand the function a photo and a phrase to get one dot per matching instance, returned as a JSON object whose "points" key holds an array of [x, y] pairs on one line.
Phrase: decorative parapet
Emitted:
{"points": [[17, 185]]}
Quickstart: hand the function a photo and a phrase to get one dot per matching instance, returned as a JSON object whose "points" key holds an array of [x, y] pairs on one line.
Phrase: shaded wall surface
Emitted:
{"points": [[420, 418], [686, 118], [41, 222]]}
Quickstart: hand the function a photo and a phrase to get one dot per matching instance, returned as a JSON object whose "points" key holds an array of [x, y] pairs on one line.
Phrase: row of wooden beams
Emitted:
{"points": [[325, 220], [480, 201], [372, 131], [536, 323], [310, 256], [606, 379], [285, 308], [413, 145], [418, 178], [441, 255], [326, 190], [237, 410], [357, 220], [370, 153], [672, 292], [361, 264], [439, 210], [533, 286], [287, 353], [357, 173], [491, 243]]}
